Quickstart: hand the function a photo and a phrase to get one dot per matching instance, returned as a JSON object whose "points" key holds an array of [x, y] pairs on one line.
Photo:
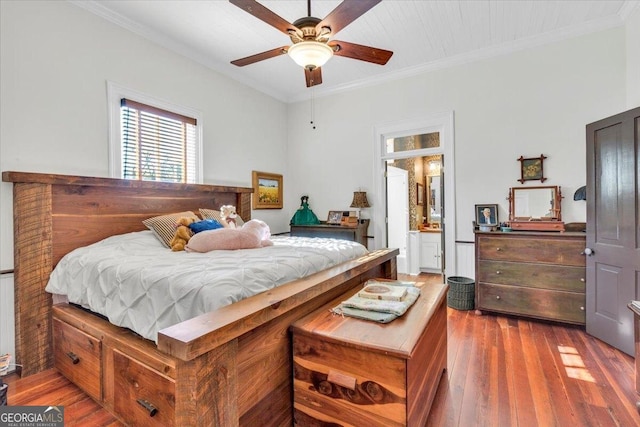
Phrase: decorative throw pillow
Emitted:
{"points": [[205, 224], [164, 226], [213, 214]]}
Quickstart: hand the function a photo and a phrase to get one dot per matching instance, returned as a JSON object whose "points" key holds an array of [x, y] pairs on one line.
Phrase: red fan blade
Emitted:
{"points": [[358, 51], [260, 56], [343, 15], [313, 77], [262, 13]]}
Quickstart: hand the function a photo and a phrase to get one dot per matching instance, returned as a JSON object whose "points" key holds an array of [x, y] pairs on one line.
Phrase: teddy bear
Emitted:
{"points": [[253, 234], [228, 216], [182, 234]]}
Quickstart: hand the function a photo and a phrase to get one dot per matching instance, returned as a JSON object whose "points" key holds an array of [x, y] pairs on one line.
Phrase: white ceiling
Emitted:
{"points": [[423, 35]]}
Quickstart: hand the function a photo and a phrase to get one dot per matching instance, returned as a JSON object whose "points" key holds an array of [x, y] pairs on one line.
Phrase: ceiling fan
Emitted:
{"points": [[310, 36]]}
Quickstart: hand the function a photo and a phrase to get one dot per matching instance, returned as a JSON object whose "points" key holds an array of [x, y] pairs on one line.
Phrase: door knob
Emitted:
{"points": [[587, 252]]}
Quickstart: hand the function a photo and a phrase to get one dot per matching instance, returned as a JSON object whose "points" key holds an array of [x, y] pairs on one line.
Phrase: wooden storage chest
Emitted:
{"points": [[349, 371], [534, 274]]}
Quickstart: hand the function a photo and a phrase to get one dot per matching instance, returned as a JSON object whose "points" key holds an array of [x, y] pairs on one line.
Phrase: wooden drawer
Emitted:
{"points": [[137, 385], [556, 277], [539, 303], [78, 357], [534, 250]]}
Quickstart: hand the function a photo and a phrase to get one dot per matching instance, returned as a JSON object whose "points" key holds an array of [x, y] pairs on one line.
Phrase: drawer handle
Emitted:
{"points": [[498, 272], [497, 296], [148, 406], [74, 358], [498, 249], [341, 379], [581, 308]]}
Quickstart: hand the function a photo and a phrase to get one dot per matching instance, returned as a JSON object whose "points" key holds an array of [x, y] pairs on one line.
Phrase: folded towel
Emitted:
{"points": [[382, 311]]}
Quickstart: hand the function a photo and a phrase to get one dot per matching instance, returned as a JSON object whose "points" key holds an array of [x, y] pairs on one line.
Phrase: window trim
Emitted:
{"points": [[115, 93]]}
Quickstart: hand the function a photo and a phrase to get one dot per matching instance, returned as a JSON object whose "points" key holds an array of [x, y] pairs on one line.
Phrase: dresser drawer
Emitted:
{"points": [[78, 357], [555, 277], [541, 303], [534, 250], [143, 396]]}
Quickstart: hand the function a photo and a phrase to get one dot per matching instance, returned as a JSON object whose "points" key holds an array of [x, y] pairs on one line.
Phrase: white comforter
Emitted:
{"points": [[137, 283]]}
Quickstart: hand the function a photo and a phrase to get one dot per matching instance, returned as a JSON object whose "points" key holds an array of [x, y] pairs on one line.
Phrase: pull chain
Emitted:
{"points": [[313, 125]]}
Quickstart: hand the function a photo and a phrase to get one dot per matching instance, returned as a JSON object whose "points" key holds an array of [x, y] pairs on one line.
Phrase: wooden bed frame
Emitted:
{"points": [[229, 367]]}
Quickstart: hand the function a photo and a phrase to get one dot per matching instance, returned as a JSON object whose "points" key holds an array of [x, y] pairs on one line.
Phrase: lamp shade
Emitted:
{"points": [[360, 200], [310, 54]]}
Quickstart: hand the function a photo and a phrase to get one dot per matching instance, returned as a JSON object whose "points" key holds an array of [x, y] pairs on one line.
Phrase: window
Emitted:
{"points": [[152, 140], [157, 145]]}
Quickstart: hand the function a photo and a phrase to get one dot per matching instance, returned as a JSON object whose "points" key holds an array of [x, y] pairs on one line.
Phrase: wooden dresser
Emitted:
{"points": [[356, 372], [357, 233], [533, 274]]}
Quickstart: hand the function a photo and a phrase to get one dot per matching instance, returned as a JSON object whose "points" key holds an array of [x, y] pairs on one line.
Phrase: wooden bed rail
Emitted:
{"points": [[192, 338]]}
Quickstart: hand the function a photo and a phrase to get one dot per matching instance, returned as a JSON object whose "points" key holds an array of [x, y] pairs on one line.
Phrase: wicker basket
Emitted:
{"points": [[461, 294]]}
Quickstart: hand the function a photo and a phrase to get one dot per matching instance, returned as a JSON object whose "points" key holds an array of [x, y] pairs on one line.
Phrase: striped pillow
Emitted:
{"points": [[212, 214], [163, 226]]}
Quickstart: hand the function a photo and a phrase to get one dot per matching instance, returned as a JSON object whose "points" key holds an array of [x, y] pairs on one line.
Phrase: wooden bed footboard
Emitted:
{"points": [[229, 367]]}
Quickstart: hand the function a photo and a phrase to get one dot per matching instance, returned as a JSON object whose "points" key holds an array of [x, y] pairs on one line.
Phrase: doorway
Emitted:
{"points": [[388, 153]]}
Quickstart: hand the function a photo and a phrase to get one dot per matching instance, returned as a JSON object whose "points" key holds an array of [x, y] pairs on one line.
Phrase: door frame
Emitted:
{"points": [[443, 123]]}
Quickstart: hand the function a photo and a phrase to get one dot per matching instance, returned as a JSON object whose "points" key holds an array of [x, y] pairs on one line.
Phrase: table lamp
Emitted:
{"points": [[359, 201]]}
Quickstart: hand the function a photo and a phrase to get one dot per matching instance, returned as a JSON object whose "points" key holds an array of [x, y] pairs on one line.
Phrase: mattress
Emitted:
{"points": [[137, 283]]}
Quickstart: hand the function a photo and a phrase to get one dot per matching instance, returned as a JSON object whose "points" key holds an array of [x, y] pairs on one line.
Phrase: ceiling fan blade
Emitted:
{"points": [[260, 56], [262, 13], [313, 77], [361, 52], [343, 15]]}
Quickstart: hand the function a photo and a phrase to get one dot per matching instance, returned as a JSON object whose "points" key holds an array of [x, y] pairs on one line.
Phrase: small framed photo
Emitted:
{"points": [[335, 217], [487, 215], [419, 194], [267, 190]]}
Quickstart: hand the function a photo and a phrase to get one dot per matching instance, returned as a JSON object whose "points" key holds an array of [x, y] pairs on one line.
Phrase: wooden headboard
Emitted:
{"points": [[54, 214]]}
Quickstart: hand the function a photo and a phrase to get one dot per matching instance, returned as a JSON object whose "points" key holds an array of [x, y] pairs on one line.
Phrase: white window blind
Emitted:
{"points": [[157, 145]]}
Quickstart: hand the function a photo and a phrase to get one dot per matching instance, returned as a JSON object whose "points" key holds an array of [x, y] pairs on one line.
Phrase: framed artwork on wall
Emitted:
{"points": [[532, 169], [267, 190], [419, 194]]}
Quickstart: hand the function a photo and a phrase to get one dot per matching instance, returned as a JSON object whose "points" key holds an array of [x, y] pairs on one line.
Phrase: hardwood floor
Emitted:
{"points": [[51, 388], [502, 371]]}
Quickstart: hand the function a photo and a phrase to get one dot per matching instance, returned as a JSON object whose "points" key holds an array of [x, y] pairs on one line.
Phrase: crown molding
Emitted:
{"points": [[170, 44]]}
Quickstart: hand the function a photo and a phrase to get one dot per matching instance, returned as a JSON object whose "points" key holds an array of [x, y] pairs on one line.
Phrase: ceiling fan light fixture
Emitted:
{"points": [[310, 54]]}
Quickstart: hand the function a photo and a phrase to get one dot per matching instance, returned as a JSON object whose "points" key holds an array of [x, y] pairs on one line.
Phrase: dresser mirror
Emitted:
{"points": [[535, 204]]}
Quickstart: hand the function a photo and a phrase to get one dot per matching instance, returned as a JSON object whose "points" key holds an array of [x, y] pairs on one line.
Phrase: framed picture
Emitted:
{"points": [[419, 194], [487, 215], [267, 190], [532, 169], [334, 217]]}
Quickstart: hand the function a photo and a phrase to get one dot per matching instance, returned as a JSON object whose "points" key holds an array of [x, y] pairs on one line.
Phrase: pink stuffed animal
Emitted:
{"points": [[253, 234]]}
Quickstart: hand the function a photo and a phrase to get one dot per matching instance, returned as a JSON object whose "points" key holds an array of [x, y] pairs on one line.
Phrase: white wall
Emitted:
{"points": [[528, 103], [56, 59], [633, 59]]}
